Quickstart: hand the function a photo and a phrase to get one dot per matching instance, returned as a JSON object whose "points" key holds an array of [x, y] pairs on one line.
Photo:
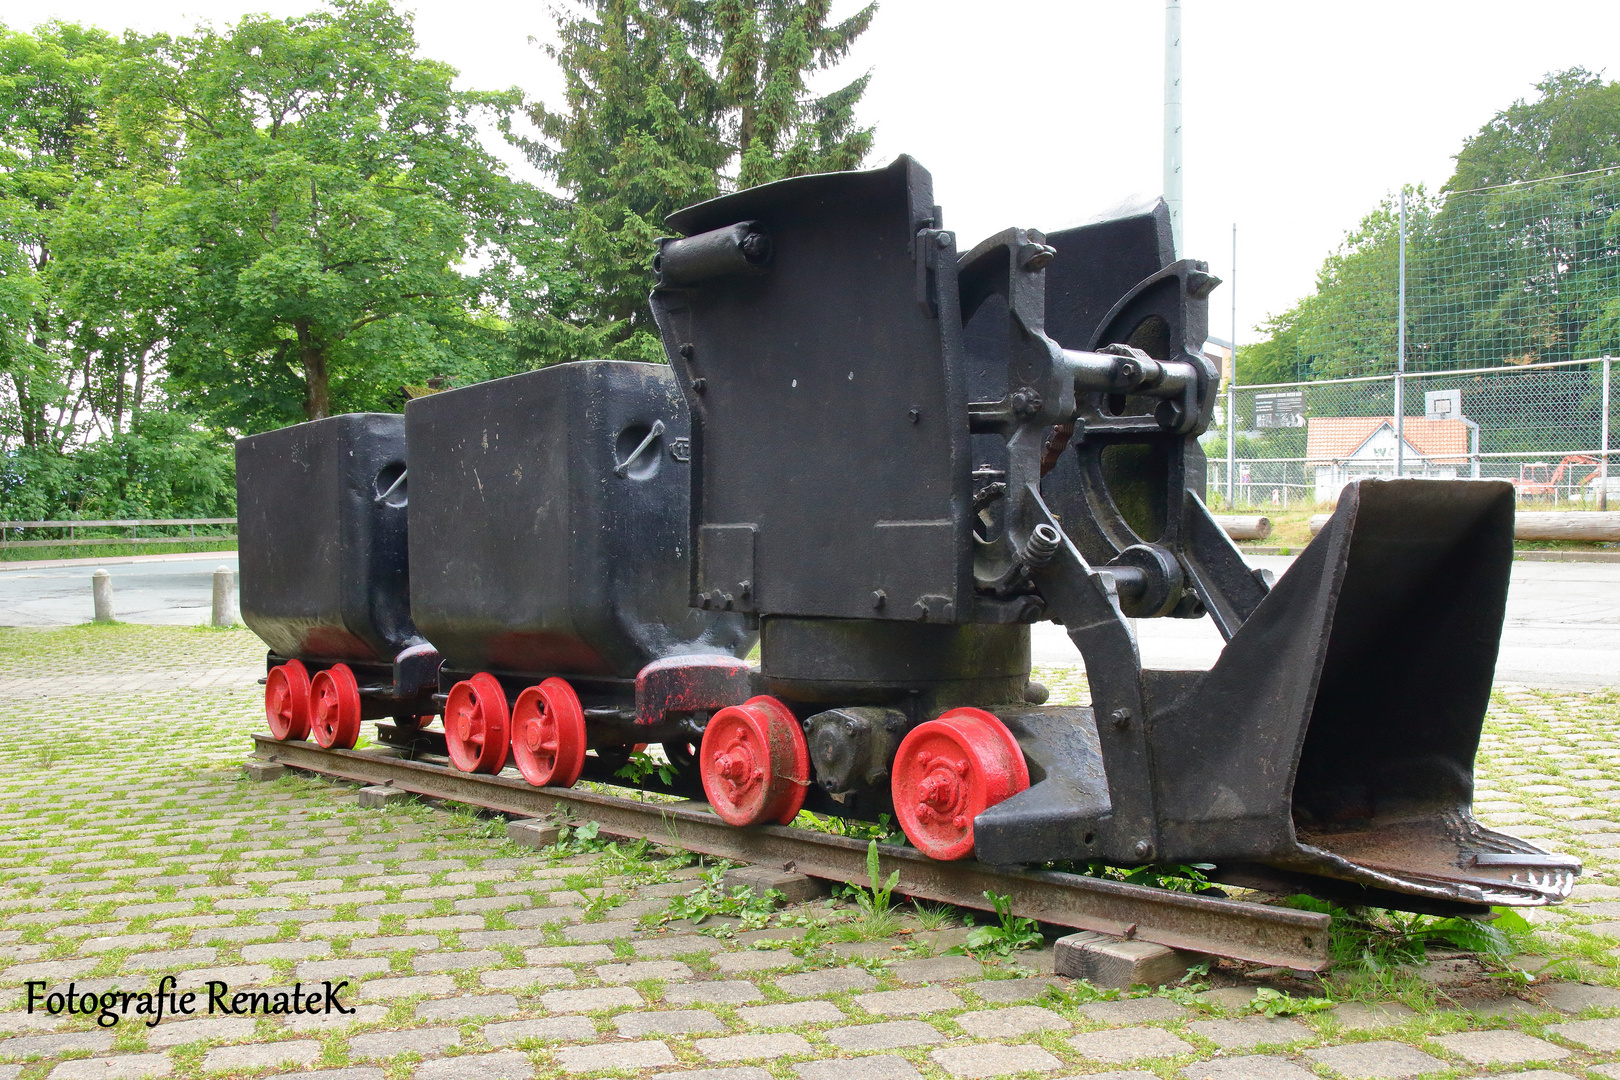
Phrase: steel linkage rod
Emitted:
{"points": [[1216, 926]]}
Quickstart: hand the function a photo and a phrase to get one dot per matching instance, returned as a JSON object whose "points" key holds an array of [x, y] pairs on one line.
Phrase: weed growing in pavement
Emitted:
{"points": [[934, 916], [878, 919], [1011, 933], [1269, 1002], [885, 830], [711, 898], [641, 765]]}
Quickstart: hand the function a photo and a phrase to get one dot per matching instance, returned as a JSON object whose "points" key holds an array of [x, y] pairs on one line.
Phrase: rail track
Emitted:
{"points": [[415, 762]]}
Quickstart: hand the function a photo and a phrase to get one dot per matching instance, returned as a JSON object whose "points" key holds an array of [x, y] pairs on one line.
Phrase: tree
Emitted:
{"points": [[331, 185], [668, 103]]}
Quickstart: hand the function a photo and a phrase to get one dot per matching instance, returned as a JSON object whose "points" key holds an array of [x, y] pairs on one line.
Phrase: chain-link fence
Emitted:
{"points": [[1501, 364], [1544, 427]]}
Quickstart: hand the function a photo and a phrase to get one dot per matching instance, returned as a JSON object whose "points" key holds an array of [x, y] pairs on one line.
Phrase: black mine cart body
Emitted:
{"points": [[889, 458], [325, 578], [548, 540]]}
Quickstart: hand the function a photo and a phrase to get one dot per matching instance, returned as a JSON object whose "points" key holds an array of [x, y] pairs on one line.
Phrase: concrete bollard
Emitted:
{"points": [[101, 590], [224, 597]]}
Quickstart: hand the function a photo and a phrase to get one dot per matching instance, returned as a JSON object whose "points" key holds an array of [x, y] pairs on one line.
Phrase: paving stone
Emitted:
{"points": [[1500, 1047], [235, 975], [753, 1047], [490, 939], [286, 950], [1254, 1067], [567, 954], [1369, 1060], [993, 1059], [919, 1002], [545, 1029], [718, 992], [386, 1044], [121, 941], [445, 922], [1118, 1045], [937, 969], [735, 1072], [457, 961], [799, 1012], [407, 986], [1601, 1035], [740, 963], [518, 978], [319, 970], [126, 1067], [54, 1045], [223, 1028], [1011, 1022], [826, 981], [1133, 1010], [676, 945], [500, 1066], [891, 1035], [169, 958], [1247, 1034], [646, 1054], [403, 942], [1011, 989], [666, 970], [669, 1022], [868, 1068], [362, 1014], [260, 1055], [1577, 997], [471, 1007], [602, 931], [350, 929], [594, 1000], [1357, 1016]]}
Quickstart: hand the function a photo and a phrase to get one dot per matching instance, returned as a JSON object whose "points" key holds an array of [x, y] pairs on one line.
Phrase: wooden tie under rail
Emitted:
{"points": [[1229, 928]]}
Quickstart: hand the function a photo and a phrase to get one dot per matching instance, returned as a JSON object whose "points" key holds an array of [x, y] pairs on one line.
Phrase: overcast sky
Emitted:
{"points": [[1299, 116]]}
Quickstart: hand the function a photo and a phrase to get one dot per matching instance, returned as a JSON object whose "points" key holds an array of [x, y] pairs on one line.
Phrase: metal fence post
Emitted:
{"points": [[1603, 457], [101, 592], [1231, 390], [1400, 353]]}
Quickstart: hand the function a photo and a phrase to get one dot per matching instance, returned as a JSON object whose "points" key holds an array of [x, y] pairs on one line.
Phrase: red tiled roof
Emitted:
{"points": [[1330, 438]]}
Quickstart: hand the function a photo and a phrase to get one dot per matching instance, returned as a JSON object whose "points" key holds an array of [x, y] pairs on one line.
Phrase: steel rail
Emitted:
{"points": [[1219, 927]]}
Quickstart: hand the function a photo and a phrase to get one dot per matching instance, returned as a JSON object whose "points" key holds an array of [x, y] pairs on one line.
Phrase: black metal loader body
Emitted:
{"points": [[549, 530], [324, 570], [903, 456]]}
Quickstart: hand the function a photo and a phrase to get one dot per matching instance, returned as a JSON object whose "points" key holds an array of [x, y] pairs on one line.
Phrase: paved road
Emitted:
{"points": [[166, 590], [1563, 629]]}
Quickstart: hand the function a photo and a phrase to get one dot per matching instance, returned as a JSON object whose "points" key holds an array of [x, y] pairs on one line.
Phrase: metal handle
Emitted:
{"points": [[623, 467], [403, 473]]}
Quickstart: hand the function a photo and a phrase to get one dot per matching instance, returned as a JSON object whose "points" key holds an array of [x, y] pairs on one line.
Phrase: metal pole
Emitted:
{"points": [[101, 592], [1231, 389], [1603, 458], [1400, 354], [224, 613], [1172, 118]]}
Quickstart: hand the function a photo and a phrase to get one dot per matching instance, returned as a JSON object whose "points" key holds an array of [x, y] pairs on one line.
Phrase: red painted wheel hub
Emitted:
{"points": [[334, 707], [754, 763], [947, 772], [286, 700], [477, 729], [548, 734]]}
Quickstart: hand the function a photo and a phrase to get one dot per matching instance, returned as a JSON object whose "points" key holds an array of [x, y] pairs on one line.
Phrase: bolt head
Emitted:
{"points": [[1143, 849]]}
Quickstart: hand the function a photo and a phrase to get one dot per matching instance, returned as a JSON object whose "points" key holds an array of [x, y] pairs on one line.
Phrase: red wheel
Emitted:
{"points": [[286, 700], [413, 723], [548, 734], [754, 762], [950, 770], [334, 707], [477, 728]]}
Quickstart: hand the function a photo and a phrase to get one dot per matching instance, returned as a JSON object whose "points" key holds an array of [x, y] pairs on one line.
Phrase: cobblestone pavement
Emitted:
{"points": [[131, 848]]}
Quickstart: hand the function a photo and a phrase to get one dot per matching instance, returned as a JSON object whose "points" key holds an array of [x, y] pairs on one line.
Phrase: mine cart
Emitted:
{"points": [[325, 582], [550, 564]]}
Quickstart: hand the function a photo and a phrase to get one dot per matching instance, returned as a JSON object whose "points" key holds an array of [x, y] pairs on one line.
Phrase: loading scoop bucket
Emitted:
{"points": [[1335, 737], [1331, 747]]}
